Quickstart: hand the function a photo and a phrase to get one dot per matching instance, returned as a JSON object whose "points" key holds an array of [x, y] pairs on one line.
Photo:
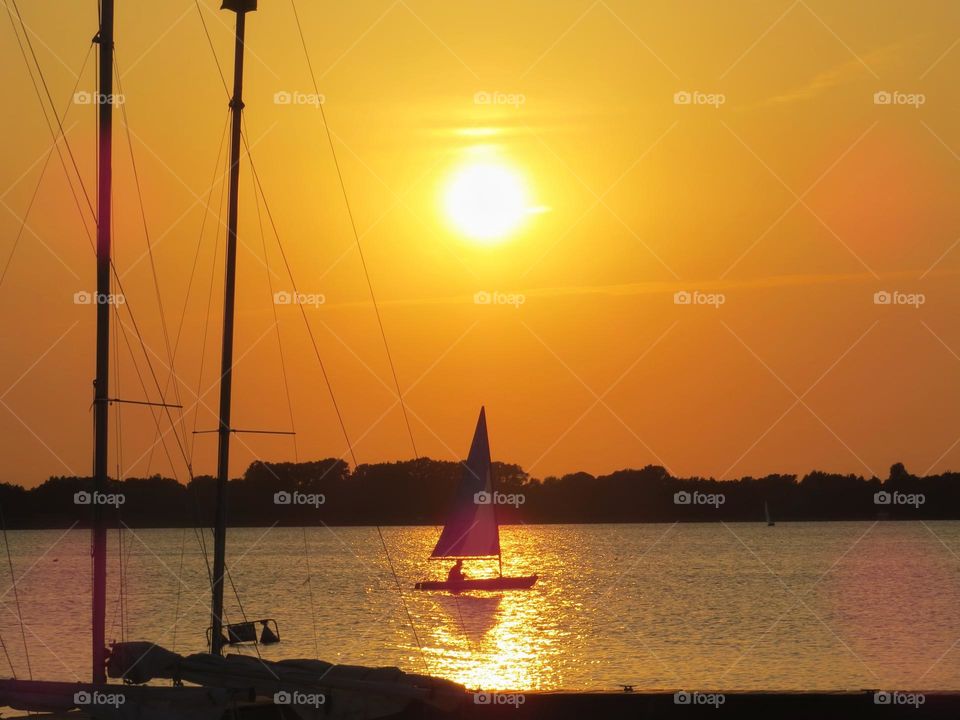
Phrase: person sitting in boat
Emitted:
{"points": [[456, 573]]}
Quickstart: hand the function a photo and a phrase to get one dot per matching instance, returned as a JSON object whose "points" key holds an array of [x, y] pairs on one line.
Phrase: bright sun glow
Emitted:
{"points": [[486, 201]]}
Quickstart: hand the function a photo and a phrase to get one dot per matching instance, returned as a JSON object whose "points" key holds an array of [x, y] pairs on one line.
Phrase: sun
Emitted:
{"points": [[486, 201]]}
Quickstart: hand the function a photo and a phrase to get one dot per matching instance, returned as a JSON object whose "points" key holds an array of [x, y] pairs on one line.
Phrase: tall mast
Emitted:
{"points": [[101, 406], [240, 7]]}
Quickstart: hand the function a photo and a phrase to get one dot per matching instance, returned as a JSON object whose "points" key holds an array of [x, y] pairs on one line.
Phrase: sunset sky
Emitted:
{"points": [[788, 190]]}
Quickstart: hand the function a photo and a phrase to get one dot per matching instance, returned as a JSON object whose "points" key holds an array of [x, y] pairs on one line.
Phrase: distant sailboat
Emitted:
{"points": [[472, 530], [766, 513]]}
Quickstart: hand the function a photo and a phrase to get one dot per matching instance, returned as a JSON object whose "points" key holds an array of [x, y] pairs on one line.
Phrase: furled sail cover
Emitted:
{"points": [[471, 529]]}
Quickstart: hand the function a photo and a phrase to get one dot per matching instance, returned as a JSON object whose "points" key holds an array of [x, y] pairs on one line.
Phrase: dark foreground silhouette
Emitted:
{"points": [[417, 492]]}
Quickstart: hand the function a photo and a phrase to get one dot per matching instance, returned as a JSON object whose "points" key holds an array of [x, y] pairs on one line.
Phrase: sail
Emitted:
{"points": [[471, 529], [766, 510]]}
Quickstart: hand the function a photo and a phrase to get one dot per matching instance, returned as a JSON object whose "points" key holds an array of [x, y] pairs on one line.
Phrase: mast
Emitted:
{"points": [[240, 7], [101, 405]]}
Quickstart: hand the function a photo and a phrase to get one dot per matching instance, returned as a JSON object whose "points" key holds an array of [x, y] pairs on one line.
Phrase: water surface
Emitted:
{"points": [[700, 606]]}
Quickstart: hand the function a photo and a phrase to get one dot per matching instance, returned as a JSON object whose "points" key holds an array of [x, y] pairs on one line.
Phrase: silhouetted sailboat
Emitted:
{"points": [[766, 514], [472, 530]]}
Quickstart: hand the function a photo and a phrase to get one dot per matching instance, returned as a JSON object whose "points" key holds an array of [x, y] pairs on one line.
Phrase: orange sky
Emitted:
{"points": [[797, 199]]}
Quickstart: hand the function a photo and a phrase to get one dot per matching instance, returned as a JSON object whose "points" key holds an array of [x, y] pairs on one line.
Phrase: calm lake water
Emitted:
{"points": [[699, 606]]}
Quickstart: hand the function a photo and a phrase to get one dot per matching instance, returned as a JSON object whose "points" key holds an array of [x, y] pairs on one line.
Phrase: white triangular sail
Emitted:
{"points": [[471, 529], [766, 511]]}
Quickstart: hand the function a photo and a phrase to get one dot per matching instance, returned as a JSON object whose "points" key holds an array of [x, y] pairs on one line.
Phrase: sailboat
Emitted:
{"points": [[234, 686], [472, 530], [766, 514]]}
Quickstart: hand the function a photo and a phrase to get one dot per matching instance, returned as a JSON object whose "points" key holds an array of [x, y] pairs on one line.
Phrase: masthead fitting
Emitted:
{"points": [[239, 6]]}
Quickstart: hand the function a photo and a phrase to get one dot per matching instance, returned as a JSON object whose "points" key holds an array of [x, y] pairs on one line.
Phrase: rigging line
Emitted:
{"points": [[143, 347], [176, 610], [303, 312], [376, 308], [146, 233], [313, 611], [196, 259], [143, 387], [43, 170], [316, 350], [53, 108], [276, 325], [13, 672], [356, 234], [16, 594], [212, 50], [118, 425], [206, 320], [406, 609]]}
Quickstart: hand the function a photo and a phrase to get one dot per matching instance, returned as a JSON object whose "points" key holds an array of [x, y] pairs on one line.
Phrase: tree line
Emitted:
{"points": [[418, 492]]}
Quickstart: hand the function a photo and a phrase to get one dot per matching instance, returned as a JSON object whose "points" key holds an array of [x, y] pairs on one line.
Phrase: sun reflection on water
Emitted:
{"points": [[495, 641]]}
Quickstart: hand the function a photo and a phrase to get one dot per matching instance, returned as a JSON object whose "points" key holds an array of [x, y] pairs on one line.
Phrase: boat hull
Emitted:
{"points": [[490, 584]]}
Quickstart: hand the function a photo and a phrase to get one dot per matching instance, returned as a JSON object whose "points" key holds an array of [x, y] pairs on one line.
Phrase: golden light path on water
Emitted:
{"points": [[494, 641], [658, 606]]}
